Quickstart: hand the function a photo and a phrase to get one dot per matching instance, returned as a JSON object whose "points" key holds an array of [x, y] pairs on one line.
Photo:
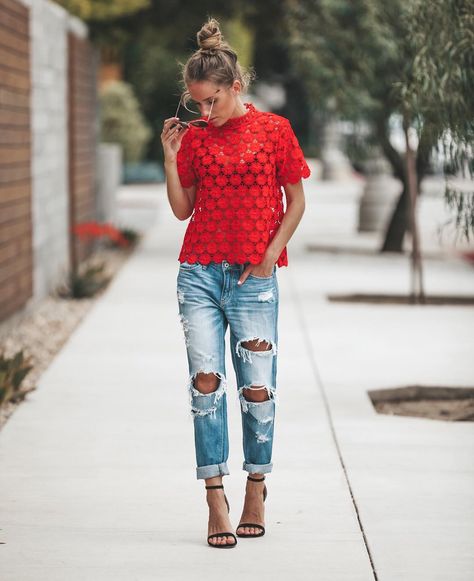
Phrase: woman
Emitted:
{"points": [[226, 172]]}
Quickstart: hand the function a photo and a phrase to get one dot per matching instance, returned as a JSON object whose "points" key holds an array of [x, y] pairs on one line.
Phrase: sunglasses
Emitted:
{"points": [[195, 122]]}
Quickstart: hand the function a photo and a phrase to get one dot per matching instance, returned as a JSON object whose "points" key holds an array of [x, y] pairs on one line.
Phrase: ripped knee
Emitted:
{"points": [[255, 347], [206, 382], [256, 393], [205, 392], [256, 398]]}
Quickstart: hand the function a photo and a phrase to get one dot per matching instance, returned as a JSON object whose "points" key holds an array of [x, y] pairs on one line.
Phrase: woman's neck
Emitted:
{"points": [[239, 109]]}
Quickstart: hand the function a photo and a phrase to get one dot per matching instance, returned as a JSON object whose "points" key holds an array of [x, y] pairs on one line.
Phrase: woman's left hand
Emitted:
{"points": [[262, 270]]}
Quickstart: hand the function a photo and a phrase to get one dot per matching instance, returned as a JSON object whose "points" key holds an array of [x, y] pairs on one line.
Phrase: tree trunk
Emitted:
{"points": [[417, 291], [397, 226], [398, 223]]}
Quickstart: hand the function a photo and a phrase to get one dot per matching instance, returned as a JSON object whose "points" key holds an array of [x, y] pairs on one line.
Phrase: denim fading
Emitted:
{"points": [[210, 300]]}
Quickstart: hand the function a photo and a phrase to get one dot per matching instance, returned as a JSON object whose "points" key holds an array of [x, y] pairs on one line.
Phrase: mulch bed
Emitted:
{"points": [[455, 404]]}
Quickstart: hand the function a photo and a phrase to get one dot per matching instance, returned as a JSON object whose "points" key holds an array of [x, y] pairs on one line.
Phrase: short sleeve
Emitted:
{"points": [[184, 162], [291, 165]]}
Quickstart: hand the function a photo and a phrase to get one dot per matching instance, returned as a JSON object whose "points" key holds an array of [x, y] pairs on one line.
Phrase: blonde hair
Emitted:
{"points": [[214, 61]]}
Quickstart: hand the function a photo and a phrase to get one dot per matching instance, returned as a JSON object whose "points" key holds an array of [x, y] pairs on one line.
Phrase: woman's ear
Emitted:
{"points": [[236, 87]]}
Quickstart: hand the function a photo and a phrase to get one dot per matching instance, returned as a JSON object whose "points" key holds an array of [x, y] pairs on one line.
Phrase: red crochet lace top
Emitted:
{"points": [[238, 170]]}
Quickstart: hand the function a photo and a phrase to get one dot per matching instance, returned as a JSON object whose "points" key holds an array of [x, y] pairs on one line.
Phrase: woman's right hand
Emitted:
{"points": [[171, 138]]}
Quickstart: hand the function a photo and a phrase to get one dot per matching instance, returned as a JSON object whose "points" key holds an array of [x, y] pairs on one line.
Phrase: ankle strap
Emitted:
{"points": [[256, 479], [215, 486]]}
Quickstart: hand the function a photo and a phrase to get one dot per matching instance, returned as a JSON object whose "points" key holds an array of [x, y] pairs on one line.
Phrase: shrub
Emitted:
{"points": [[13, 371], [122, 121]]}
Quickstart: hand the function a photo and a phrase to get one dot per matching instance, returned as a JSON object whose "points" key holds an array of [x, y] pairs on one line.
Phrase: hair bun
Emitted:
{"points": [[210, 36]]}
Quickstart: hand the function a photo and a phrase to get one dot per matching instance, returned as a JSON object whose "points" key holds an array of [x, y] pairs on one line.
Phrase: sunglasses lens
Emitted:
{"points": [[199, 123], [181, 123]]}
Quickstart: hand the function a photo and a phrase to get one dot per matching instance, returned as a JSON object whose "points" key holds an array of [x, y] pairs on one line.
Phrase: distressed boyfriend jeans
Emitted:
{"points": [[209, 301]]}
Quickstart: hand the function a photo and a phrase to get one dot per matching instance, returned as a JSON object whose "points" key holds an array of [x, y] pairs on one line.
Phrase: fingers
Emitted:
{"points": [[259, 270], [169, 122], [244, 275], [171, 134], [172, 130]]}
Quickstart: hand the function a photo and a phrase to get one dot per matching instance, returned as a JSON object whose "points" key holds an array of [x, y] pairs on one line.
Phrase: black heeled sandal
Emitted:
{"points": [[252, 524], [227, 545]]}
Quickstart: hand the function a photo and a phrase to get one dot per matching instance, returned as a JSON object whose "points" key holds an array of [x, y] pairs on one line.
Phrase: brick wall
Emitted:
{"points": [[16, 278], [48, 148], [82, 137]]}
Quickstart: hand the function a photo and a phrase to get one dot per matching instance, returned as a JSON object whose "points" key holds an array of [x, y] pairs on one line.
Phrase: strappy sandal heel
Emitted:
{"points": [[216, 535], [252, 524]]}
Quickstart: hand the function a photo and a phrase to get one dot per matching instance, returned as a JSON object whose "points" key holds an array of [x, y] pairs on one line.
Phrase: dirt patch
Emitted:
{"points": [[406, 299], [455, 404]]}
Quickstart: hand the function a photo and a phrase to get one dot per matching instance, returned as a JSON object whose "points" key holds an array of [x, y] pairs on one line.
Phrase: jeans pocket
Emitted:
{"points": [[263, 277], [187, 266]]}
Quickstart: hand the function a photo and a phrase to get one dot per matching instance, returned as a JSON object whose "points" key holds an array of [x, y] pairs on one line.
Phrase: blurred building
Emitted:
{"points": [[48, 147]]}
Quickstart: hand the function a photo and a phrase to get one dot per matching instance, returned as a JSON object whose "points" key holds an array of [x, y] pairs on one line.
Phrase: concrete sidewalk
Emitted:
{"points": [[97, 475]]}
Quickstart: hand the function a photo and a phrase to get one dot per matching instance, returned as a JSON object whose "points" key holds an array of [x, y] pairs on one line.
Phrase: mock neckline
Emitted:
{"points": [[235, 122]]}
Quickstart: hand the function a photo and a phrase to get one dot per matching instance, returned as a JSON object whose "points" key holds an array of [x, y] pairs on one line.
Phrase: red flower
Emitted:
{"points": [[204, 258], [212, 247], [91, 230], [254, 213], [221, 181], [249, 179], [235, 180], [219, 236], [248, 247]]}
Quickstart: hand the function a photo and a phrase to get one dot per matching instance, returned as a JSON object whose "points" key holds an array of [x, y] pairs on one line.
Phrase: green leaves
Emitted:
{"points": [[122, 121], [103, 9], [13, 371], [441, 91]]}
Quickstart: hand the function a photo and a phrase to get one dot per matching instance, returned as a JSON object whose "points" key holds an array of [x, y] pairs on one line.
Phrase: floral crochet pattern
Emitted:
{"points": [[239, 170]]}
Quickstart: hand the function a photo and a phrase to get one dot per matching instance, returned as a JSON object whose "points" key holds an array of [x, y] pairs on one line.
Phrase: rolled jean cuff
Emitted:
{"points": [[212, 470], [258, 468]]}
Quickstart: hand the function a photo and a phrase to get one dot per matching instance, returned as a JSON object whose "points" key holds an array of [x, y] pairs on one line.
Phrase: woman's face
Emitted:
{"points": [[226, 104]]}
